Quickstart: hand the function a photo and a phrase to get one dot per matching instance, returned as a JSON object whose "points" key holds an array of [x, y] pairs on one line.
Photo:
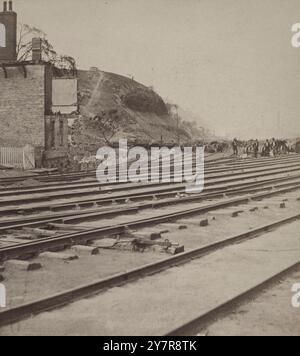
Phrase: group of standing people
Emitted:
{"points": [[269, 148], [275, 148]]}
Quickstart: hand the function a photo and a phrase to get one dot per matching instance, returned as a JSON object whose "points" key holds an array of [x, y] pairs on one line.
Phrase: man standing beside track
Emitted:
{"points": [[274, 147], [235, 147], [255, 148], [266, 149]]}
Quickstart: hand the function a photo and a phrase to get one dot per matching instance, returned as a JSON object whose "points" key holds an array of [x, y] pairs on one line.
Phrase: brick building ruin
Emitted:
{"points": [[35, 104]]}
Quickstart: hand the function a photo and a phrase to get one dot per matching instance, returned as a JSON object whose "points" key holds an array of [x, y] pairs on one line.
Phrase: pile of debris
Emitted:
{"points": [[137, 241]]}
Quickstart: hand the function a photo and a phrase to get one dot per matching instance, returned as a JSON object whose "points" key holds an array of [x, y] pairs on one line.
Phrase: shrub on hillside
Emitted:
{"points": [[145, 101]]}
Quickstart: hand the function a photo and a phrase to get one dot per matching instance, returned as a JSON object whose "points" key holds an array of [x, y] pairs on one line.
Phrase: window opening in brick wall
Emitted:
{"points": [[2, 36]]}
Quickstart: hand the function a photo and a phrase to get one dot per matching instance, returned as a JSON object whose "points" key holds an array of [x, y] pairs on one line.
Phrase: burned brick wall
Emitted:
{"points": [[23, 93], [57, 130]]}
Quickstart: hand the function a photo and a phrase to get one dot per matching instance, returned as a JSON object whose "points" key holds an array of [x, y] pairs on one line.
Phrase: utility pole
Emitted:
{"points": [[178, 133]]}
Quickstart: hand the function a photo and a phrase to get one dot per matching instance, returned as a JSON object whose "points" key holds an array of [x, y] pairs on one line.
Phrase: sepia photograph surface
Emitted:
{"points": [[149, 170]]}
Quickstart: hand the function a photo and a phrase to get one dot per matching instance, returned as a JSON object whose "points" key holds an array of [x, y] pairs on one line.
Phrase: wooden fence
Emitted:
{"points": [[18, 157]]}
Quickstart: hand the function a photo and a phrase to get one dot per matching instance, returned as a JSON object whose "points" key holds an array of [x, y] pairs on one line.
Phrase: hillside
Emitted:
{"points": [[113, 107]]}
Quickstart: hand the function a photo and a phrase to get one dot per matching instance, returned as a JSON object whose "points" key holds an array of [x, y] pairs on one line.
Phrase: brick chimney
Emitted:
{"points": [[36, 50], [8, 8], [8, 35]]}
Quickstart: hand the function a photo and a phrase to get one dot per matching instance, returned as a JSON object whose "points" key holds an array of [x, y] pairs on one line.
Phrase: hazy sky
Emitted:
{"points": [[229, 61]]}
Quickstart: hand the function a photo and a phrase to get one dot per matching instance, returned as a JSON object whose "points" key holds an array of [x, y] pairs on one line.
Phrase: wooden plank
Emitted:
{"points": [[69, 227]]}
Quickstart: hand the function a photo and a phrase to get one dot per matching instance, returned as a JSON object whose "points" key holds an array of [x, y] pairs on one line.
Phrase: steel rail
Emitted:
{"points": [[76, 176], [99, 212], [13, 315], [136, 196], [79, 174], [63, 241], [93, 184], [203, 320], [127, 185], [236, 177]]}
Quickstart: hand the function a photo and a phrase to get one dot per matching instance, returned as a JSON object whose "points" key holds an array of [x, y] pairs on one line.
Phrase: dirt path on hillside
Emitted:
{"points": [[96, 92]]}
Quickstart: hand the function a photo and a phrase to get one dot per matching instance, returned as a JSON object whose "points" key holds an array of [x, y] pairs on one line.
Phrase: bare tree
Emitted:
{"points": [[24, 49], [24, 42], [108, 123]]}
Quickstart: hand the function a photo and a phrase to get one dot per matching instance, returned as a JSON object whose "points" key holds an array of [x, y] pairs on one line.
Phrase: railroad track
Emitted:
{"points": [[32, 248], [17, 314], [247, 191], [271, 187], [57, 178], [146, 191], [94, 206], [201, 323], [66, 182], [210, 179], [92, 183], [142, 201]]}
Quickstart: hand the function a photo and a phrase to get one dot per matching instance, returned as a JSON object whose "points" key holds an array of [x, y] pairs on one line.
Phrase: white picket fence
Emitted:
{"points": [[18, 157]]}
